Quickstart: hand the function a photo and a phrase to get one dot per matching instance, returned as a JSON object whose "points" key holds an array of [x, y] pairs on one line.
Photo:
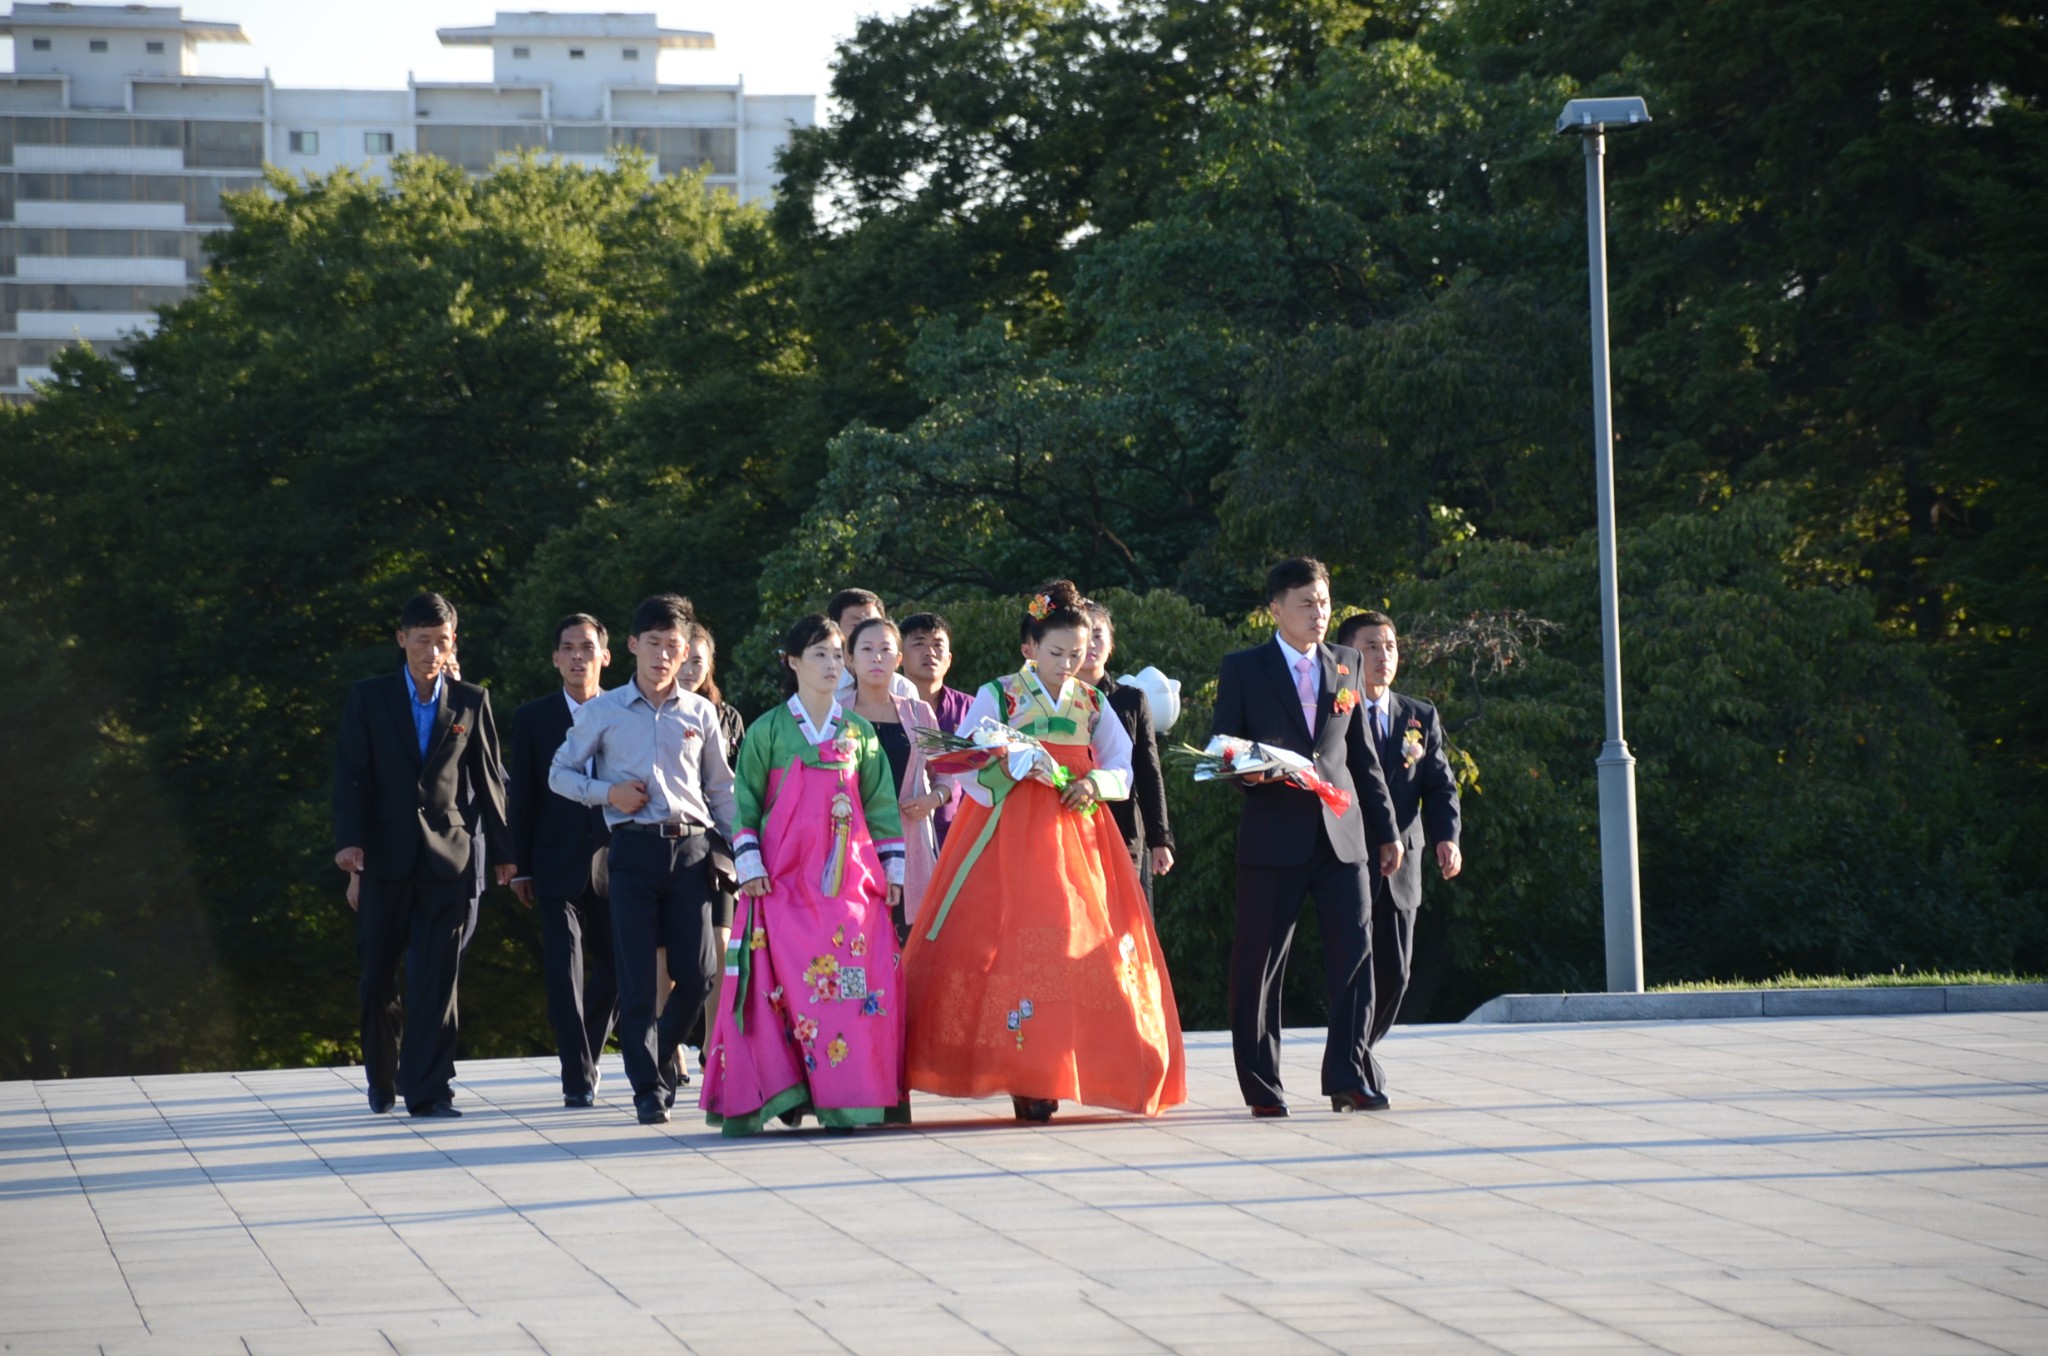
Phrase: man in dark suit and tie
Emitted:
{"points": [[554, 840], [1410, 741], [1297, 693], [416, 774]]}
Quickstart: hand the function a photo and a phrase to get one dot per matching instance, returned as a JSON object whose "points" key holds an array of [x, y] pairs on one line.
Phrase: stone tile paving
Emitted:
{"points": [[1863, 1184]]}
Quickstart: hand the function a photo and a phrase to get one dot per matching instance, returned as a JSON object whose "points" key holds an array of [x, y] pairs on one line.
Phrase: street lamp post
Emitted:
{"points": [[1621, 895]]}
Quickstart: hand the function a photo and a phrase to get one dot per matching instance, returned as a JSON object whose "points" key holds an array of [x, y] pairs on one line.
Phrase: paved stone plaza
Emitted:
{"points": [[1876, 1184]]}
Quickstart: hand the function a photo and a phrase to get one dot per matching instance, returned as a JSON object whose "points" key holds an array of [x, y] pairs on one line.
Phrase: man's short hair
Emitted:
{"points": [[847, 598], [1298, 573], [1358, 621], [663, 612], [922, 623], [582, 619], [426, 609]]}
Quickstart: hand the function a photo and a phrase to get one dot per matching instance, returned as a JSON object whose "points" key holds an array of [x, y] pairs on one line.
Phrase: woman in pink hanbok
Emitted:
{"points": [[812, 1020]]}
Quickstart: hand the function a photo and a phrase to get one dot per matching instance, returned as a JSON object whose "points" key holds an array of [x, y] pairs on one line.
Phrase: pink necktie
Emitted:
{"points": [[1305, 687]]}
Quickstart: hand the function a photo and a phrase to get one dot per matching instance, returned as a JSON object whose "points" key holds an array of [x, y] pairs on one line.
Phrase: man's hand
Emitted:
{"points": [[354, 893], [1162, 860], [349, 859], [628, 798], [756, 887], [522, 890], [1449, 859], [504, 872], [1390, 858]]}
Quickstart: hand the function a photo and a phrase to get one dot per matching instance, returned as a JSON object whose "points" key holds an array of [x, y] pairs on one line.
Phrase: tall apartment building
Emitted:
{"points": [[115, 150]]}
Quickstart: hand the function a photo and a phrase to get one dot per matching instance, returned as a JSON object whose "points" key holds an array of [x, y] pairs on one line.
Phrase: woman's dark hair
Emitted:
{"points": [[1057, 606], [812, 630], [707, 687], [863, 627], [1098, 613]]}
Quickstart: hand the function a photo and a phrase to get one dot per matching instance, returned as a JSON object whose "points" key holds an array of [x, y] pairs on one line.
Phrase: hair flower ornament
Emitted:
{"points": [[1040, 606]]}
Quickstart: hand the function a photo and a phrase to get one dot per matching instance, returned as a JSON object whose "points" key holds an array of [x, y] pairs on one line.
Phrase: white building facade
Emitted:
{"points": [[115, 150]]}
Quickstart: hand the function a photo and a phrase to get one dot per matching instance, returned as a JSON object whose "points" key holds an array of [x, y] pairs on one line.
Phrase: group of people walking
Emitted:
{"points": [[833, 911]]}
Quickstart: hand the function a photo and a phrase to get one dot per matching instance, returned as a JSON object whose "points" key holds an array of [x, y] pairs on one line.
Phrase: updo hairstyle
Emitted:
{"points": [[1057, 606]]}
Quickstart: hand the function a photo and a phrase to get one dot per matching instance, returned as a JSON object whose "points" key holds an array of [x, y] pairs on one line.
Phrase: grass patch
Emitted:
{"points": [[1897, 979]]}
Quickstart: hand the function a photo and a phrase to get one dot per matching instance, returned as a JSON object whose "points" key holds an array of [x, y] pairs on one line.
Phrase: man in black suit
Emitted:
{"points": [[416, 768], [554, 840], [1410, 741], [1297, 693]]}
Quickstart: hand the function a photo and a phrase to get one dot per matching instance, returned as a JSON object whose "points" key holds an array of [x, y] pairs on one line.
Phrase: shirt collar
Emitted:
{"points": [[816, 734], [675, 695], [1294, 656], [412, 691]]}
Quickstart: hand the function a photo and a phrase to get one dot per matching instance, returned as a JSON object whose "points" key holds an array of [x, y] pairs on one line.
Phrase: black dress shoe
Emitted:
{"points": [[1035, 1109], [1359, 1100], [1277, 1112], [381, 1102], [580, 1099], [650, 1109], [443, 1110]]}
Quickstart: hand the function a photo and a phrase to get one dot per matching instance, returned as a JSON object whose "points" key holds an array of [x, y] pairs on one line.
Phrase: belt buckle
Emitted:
{"points": [[670, 829]]}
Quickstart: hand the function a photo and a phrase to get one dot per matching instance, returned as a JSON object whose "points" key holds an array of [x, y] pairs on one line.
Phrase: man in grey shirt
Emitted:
{"points": [[657, 765]]}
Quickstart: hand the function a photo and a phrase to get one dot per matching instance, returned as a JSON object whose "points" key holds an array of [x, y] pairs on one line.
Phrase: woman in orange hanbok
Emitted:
{"points": [[1034, 969]]}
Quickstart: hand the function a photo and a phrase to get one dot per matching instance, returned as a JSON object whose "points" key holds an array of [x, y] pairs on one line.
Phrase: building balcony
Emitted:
{"points": [[135, 216], [147, 159], [98, 326], [143, 272]]}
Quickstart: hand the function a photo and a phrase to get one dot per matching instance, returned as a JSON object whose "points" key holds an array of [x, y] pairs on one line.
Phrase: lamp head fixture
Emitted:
{"points": [[1589, 117]]}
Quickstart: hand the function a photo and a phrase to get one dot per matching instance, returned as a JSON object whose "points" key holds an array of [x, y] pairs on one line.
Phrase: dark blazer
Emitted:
{"points": [[553, 838], [1146, 805], [406, 812], [1425, 793], [1255, 699]]}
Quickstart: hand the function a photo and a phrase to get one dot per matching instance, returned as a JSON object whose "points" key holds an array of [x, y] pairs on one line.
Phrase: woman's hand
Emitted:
{"points": [[923, 807], [895, 896], [756, 887], [1080, 794]]}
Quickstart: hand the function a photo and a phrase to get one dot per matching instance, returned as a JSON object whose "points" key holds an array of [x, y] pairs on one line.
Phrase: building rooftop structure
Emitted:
{"points": [[115, 148]]}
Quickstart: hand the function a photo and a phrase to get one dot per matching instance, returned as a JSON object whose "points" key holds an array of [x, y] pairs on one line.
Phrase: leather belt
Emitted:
{"points": [[671, 829]]}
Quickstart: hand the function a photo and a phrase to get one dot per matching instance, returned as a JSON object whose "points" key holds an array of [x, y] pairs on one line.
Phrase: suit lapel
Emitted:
{"points": [[444, 716], [1326, 704], [1283, 678], [401, 712]]}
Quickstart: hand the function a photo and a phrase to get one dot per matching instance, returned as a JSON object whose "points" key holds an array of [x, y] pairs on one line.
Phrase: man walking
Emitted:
{"points": [[654, 756], [417, 773], [554, 840], [1410, 741], [1297, 693]]}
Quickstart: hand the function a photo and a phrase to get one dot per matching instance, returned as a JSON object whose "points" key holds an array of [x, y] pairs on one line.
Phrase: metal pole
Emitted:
{"points": [[1619, 889]]}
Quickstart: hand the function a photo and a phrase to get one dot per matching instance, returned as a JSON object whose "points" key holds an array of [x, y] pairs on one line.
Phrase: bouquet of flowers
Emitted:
{"points": [[1228, 758], [988, 742]]}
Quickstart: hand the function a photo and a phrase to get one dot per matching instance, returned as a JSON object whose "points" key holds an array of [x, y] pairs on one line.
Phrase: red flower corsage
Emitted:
{"points": [[455, 729], [1346, 698], [1344, 669]]}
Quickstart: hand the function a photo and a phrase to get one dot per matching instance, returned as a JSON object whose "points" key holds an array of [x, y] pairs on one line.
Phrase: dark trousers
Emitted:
{"points": [[1268, 903], [661, 896], [418, 921], [575, 933], [1393, 947]]}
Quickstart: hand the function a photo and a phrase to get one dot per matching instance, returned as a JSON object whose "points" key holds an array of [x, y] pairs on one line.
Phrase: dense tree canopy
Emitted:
{"points": [[1148, 294]]}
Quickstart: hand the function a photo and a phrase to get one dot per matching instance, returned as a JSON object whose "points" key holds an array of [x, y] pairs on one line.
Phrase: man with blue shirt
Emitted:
{"points": [[416, 776]]}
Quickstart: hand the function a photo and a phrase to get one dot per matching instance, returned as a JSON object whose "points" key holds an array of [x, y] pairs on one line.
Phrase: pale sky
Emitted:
{"points": [[779, 46]]}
